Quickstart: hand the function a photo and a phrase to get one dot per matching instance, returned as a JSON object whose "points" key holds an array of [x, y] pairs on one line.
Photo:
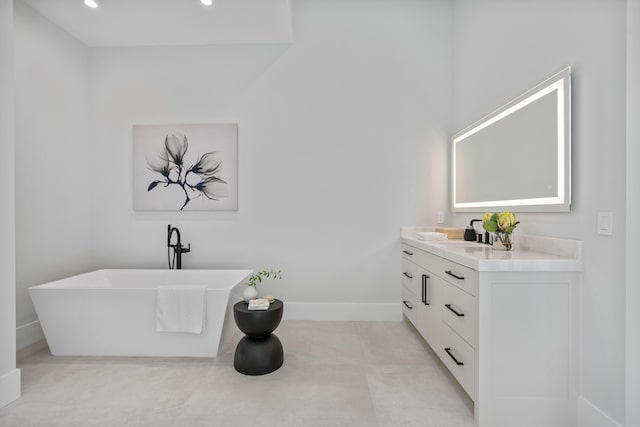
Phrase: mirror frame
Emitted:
{"points": [[559, 83]]}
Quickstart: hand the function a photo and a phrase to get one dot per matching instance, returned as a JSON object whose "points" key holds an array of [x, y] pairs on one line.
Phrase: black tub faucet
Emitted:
{"points": [[178, 248]]}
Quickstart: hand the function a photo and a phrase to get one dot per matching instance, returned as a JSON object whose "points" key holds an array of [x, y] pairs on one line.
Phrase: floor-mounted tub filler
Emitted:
{"points": [[114, 312]]}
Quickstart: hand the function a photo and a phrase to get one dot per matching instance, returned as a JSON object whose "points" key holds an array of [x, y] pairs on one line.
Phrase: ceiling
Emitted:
{"points": [[170, 22]]}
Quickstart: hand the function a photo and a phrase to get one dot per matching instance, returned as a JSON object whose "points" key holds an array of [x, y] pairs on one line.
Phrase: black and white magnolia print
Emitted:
{"points": [[185, 167], [201, 179]]}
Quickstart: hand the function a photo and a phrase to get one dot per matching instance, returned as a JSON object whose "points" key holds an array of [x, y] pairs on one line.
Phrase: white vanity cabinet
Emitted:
{"points": [[444, 310], [504, 323]]}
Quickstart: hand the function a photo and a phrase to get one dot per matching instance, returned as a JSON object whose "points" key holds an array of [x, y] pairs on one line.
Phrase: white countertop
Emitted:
{"points": [[530, 253]]}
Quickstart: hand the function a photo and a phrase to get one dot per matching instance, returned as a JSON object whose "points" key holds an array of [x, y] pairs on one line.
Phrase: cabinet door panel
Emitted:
{"points": [[428, 313]]}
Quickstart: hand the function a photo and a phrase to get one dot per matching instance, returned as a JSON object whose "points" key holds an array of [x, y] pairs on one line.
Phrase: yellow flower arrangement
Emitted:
{"points": [[502, 224]]}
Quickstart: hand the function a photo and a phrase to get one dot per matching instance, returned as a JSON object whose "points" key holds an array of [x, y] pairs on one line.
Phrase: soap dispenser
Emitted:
{"points": [[470, 231]]}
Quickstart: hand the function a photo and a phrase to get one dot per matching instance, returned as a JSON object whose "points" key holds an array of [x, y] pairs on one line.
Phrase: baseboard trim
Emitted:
{"points": [[589, 415], [28, 334], [9, 387], [342, 311]]}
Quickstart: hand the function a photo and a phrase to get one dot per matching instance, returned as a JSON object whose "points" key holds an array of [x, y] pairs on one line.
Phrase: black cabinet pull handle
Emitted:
{"points": [[454, 275], [448, 350], [408, 275], [410, 307], [425, 291], [408, 253], [456, 313]]}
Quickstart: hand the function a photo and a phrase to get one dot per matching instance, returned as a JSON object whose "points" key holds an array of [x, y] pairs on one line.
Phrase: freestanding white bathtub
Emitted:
{"points": [[113, 313]]}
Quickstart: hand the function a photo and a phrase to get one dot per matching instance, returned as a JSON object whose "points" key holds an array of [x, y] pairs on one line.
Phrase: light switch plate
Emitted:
{"points": [[605, 223]]}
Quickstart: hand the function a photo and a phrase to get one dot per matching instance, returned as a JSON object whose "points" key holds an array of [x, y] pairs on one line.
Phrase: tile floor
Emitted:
{"points": [[335, 374]]}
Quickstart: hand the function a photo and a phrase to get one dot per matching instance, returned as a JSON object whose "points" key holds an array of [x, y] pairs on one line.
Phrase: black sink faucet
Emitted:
{"points": [[177, 247]]}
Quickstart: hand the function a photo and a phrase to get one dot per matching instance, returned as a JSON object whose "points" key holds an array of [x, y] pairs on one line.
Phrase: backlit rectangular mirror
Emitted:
{"points": [[517, 158]]}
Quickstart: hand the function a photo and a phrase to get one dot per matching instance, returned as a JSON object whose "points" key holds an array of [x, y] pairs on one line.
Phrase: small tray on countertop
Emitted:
{"points": [[451, 232]]}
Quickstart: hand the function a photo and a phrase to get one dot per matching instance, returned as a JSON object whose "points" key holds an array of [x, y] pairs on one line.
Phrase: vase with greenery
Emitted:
{"points": [[250, 291], [502, 225]]}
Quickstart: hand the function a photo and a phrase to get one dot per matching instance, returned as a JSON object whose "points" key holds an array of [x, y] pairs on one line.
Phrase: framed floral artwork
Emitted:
{"points": [[185, 167]]}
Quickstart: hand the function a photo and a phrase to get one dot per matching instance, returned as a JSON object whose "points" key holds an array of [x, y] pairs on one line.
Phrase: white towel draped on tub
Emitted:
{"points": [[181, 308]]}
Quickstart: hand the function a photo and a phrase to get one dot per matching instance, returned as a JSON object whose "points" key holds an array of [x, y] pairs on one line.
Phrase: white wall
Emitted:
{"points": [[633, 213], [9, 375], [342, 140], [54, 178], [502, 48]]}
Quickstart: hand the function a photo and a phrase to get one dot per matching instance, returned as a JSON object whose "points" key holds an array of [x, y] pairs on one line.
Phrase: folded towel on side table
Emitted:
{"points": [[258, 304]]}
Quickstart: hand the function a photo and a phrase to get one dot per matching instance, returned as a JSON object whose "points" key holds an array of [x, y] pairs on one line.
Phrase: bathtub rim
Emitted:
{"points": [[100, 274]]}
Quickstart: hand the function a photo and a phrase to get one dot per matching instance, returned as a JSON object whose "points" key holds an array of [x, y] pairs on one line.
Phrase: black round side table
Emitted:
{"points": [[259, 352]]}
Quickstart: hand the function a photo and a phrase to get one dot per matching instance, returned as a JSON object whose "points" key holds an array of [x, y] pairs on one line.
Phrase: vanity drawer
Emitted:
{"points": [[409, 305], [411, 277], [459, 358], [408, 252], [458, 310], [459, 275]]}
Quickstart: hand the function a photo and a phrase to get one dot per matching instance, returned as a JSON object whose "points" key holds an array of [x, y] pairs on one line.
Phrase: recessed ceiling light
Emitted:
{"points": [[91, 3], [206, 2]]}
